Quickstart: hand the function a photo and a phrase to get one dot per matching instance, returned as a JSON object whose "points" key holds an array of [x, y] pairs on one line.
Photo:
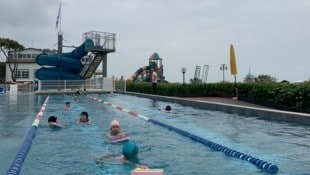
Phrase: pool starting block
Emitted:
{"points": [[140, 171]]}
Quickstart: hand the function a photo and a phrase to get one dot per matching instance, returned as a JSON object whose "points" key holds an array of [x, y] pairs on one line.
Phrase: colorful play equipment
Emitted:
{"points": [[144, 73]]}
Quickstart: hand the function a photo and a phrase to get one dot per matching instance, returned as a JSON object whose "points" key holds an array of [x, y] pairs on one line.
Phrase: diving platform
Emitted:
{"points": [[104, 43]]}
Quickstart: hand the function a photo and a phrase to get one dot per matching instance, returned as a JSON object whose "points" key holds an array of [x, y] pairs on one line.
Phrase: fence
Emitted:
{"points": [[90, 85], [20, 87]]}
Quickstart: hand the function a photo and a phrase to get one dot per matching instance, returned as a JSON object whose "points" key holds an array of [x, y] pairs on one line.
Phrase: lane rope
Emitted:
{"points": [[23, 151], [261, 164]]}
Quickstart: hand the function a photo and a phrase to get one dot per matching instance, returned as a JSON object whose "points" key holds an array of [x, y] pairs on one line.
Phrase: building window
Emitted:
{"points": [[21, 73]]}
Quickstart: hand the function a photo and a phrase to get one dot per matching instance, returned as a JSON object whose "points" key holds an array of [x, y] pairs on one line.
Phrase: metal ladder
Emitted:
{"points": [[90, 68]]}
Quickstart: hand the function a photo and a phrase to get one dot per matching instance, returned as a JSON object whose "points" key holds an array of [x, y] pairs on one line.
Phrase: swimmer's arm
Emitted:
{"points": [[137, 165], [62, 125], [56, 123]]}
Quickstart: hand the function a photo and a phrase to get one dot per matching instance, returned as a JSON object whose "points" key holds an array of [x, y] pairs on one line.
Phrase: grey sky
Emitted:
{"points": [[270, 36]]}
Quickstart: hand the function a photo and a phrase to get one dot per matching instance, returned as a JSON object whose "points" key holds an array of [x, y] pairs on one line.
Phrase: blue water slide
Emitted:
{"points": [[53, 73], [59, 61], [66, 66], [80, 51]]}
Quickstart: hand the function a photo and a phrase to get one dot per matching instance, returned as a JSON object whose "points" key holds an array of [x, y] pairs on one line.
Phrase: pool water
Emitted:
{"points": [[72, 150]]}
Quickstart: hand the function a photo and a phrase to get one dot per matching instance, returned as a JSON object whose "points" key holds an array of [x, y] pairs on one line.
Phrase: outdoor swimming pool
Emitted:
{"points": [[72, 150]]}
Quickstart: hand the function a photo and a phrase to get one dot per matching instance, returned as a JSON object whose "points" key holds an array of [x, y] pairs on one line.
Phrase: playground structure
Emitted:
{"points": [[79, 64], [204, 75], [144, 73]]}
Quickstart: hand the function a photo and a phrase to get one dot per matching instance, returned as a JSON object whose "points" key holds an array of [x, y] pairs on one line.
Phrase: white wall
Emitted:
{"points": [[31, 65]]}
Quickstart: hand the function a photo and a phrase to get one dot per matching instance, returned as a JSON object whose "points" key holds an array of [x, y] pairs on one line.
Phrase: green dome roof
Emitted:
{"points": [[155, 56]]}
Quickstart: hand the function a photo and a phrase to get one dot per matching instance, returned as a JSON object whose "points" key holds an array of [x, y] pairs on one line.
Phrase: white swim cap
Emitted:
{"points": [[114, 122]]}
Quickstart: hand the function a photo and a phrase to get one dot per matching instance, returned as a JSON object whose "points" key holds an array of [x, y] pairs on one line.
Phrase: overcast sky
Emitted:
{"points": [[269, 36]]}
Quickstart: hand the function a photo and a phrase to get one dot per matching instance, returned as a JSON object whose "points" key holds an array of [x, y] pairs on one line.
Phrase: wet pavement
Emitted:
{"points": [[228, 101]]}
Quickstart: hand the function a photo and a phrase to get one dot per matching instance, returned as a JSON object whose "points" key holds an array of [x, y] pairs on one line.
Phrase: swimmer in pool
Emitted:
{"points": [[168, 108], [129, 156], [83, 118], [75, 98], [68, 105], [115, 130], [52, 121]]}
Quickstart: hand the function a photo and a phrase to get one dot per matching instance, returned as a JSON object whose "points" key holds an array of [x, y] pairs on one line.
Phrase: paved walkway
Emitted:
{"points": [[226, 101]]}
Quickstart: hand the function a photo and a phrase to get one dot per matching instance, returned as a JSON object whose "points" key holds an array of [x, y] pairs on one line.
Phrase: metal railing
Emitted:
{"points": [[103, 40], [20, 87], [90, 85]]}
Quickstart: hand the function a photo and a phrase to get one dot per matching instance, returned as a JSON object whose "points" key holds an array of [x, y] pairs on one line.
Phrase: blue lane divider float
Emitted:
{"points": [[261, 164], [264, 165], [23, 151]]}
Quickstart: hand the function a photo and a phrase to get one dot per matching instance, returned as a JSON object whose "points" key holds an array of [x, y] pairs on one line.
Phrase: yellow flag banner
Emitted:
{"points": [[233, 65]]}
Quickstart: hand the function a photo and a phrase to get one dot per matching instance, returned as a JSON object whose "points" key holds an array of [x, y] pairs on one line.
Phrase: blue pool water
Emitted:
{"points": [[72, 150]]}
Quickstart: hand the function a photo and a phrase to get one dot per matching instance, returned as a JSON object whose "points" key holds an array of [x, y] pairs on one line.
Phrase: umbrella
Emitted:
{"points": [[233, 67]]}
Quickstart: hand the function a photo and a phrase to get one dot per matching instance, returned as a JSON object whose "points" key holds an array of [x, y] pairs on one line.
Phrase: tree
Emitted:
{"points": [[249, 78], [6, 46], [265, 78], [2, 72]]}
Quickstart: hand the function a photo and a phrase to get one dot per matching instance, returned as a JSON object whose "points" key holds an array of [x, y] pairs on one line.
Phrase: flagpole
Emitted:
{"points": [[60, 39], [60, 19], [58, 25]]}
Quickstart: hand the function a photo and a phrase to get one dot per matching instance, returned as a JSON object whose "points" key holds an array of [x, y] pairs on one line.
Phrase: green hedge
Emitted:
{"points": [[295, 95]]}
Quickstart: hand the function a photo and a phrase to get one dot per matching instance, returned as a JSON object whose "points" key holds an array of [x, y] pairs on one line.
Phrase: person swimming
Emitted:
{"points": [[53, 121], [116, 134], [130, 150], [83, 118], [115, 128], [129, 156], [168, 108], [68, 105], [75, 98]]}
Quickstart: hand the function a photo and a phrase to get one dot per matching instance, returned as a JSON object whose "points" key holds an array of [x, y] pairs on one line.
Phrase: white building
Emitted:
{"points": [[25, 65]]}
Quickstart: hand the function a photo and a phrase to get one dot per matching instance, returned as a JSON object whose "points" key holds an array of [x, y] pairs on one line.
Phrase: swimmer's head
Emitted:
{"points": [[68, 104], [168, 108], [130, 150], [114, 123], [84, 117], [84, 113], [52, 119]]}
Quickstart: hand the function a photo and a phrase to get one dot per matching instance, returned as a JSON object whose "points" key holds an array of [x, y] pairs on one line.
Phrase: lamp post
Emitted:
{"points": [[183, 70], [223, 68]]}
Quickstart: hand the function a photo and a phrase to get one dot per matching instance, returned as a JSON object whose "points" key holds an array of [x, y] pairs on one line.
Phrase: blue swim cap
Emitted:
{"points": [[130, 150]]}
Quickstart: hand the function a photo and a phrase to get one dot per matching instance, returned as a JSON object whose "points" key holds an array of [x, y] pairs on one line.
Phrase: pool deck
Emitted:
{"points": [[225, 101], [234, 106]]}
